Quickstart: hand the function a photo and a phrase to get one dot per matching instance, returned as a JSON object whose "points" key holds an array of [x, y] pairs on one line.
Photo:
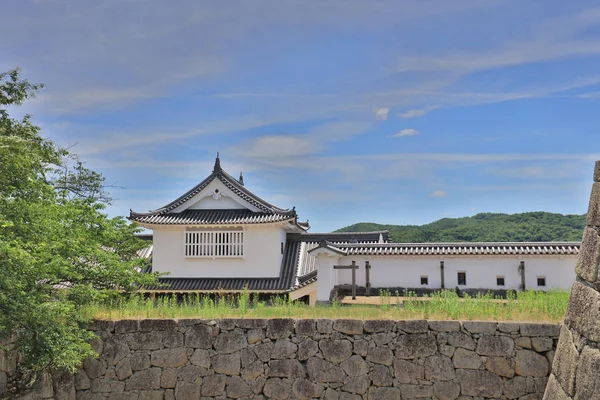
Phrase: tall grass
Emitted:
{"points": [[445, 304]]}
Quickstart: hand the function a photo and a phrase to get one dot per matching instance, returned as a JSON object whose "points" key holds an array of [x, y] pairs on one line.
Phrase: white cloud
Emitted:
{"points": [[406, 132], [438, 193], [418, 112], [382, 113]]}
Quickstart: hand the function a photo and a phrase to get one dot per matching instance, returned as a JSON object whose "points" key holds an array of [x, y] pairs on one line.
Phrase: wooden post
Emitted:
{"points": [[368, 278], [442, 273], [353, 267], [522, 271]]}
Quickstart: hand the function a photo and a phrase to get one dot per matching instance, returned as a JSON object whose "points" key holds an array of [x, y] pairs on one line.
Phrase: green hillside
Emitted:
{"points": [[486, 227]]}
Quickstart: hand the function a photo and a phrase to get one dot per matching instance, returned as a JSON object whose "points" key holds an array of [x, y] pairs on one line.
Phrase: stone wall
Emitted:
{"points": [[576, 368], [304, 359]]}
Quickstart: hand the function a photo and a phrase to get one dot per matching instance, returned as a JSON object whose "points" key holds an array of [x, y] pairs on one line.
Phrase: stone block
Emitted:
{"points": [[82, 382], [479, 383], [325, 326], [199, 337], [306, 327], [307, 349], [381, 339], [93, 368], [190, 373], [348, 326], [361, 347], [500, 346], [385, 393], [213, 385], [335, 350], [415, 346], [127, 325], [144, 380], [515, 387], [284, 349], [320, 370], [542, 344], [446, 390], [276, 388], [228, 364], [230, 342], [102, 385], [523, 342], [255, 335], [236, 388], [253, 371], [375, 326], [355, 366], [201, 358], [169, 358], [408, 372], [480, 326], [413, 326], [467, 359], [247, 356], [509, 327], [304, 389], [226, 324], [533, 329], [348, 396], [381, 375], [597, 172], [416, 391], [263, 351], [123, 369], [589, 255], [140, 360], [587, 381], [444, 326], [460, 339], [593, 214], [439, 368], [172, 339], [565, 360], [554, 391], [500, 366], [251, 323], [115, 349], [168, 378], [158, 325], [99, 325], [530, 363], [280, 328], [148, 395], [380, 355], [285, 369], [357, 385], [143, 340], [583, 312]]}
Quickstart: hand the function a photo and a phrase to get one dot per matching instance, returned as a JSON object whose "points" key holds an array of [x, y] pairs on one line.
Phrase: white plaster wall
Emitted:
{"points": [[205, 201], [262, 255], [327, 278], [388, 271]]}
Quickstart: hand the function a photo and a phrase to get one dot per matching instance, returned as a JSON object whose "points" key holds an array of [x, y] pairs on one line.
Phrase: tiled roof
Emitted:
{"points": [[343, 237], [214, 217]]}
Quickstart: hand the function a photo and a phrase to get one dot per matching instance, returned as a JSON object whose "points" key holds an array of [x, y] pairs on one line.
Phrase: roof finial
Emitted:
{"points": [[217, 167], [241, 180]]}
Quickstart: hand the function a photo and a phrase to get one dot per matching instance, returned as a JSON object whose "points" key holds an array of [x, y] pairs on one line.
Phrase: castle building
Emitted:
{"points": [[221, 237]]}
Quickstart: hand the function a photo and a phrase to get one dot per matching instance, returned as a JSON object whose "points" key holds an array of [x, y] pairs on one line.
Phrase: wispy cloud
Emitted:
{"points": [[382, 113], [416, 112], [438, 193], [406, 132]]}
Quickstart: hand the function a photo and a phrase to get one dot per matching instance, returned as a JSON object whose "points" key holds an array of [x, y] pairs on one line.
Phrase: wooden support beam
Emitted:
{"points": [[353, 267], [368, 278]]}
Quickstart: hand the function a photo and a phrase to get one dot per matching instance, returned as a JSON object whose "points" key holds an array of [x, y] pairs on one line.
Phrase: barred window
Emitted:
{"points": [[214, 244]]}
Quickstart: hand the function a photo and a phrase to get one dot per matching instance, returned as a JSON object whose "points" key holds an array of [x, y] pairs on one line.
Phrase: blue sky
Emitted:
{"points": [[395, 111]]}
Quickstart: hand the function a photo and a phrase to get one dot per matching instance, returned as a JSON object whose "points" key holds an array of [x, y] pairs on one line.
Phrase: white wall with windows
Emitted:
{"points": [[258, 256]]}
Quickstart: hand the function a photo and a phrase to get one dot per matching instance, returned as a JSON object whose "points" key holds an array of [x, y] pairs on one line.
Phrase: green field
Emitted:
{"points": [[444, 305]]}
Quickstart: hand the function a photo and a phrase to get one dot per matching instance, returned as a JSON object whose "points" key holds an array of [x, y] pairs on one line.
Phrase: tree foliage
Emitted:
{"points": [[486, 227], [58, 249]]}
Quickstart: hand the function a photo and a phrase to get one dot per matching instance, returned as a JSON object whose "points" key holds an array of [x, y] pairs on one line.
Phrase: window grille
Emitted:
{"points": [[424, 280], [500, 280], [462, 278], [541, 281], [214, 244]]}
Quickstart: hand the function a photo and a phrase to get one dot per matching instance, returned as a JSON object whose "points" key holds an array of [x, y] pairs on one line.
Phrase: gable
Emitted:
{"points": [[215, 196]]}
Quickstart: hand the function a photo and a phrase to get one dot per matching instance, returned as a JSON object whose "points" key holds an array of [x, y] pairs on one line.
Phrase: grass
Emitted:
{"points": [[443, 305]]}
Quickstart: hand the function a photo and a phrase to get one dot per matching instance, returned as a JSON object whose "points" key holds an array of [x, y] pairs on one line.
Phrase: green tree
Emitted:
{"points": [[58, 250]]}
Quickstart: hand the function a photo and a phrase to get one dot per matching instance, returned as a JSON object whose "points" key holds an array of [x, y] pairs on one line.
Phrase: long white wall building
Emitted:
{"points": [[219, 237]]}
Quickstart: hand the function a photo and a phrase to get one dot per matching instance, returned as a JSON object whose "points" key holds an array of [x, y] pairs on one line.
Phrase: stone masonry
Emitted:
{"points": [[311, 359], [576, 367]]}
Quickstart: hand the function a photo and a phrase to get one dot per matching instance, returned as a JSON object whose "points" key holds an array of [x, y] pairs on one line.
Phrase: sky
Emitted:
{"points": [[396, 112]]}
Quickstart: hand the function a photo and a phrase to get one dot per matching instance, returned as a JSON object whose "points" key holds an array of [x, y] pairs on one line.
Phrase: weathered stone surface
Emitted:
{"points": [[228, 364], [565, 359], [169, 358], [140, 360], [253, 371], [172, 339], [597, 172], [286, 369], [168, 378], [444, 326], [439, 368], [348, 326], [143, 380], [515, 387], [276, 388], [380, 355], [355, 366], [307, 349], [480, 326], [530, 363], [158, 325], [408, 372], [263, 351], [523, 342], [467, 359], [115, 349], [8, 362], [3, 382], [587, 382], [381, 375], [123, 369], [201, 358], [306, 327], [304, 389], [460, 339], [199, 337], [385, 393], [413, 326], [381, 339], [589, 255], [93, 368], [213, 385], [255, 335], [593, 214], [230, 342], [102, 385], [323, 371], [446, 390], [509, 327], [144, 340], [554, 391], [358, 385], [416, 391], [247, 357], [415, 346], [280, 328], [501, 346], [583, 312], [284, 349], [325, 326], [348, 396], [251, 323], [375, 326], [335, 350], [127, 325], [541, 344], [226, 324], [82, 381], [530, 329], [191, 373], [361, 347], [236, 388], [446, 350], [187, 391], [479, 383], [499, 366], [147, 395]]}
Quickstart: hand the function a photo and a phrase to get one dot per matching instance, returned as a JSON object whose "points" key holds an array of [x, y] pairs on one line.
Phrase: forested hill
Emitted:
{"points": [[485, 227]]}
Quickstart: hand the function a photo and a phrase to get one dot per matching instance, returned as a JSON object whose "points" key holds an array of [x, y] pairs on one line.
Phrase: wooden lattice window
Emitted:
{"points": [[214, 244]]}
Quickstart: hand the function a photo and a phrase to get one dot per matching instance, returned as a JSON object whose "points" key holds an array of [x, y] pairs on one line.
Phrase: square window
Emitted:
{"points": [[462, 278], [424, 280], [500, 280], [541, 281]]}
